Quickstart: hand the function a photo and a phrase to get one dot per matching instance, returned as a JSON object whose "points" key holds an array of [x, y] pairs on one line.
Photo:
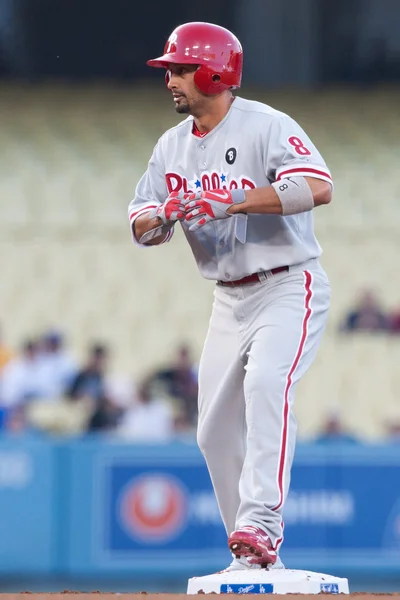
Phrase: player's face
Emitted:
{"points": [[181, 84]]}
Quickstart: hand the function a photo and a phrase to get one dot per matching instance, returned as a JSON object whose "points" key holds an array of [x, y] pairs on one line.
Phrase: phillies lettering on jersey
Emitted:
{"points": [[253, 146], [206, 181]]}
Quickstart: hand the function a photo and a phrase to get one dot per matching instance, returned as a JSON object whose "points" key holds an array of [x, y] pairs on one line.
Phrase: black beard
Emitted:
{"points": [[182, 109]]}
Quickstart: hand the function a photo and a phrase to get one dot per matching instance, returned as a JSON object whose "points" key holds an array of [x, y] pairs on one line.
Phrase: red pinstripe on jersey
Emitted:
{"points": [[306, 172], [144, 209], [289, 381]]}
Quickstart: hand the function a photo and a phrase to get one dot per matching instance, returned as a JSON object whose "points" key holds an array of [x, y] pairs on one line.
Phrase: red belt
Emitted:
{"points": [[253, 277]]}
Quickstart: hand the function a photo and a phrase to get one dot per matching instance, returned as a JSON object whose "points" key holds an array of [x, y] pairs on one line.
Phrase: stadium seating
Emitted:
{"points": [[70, 159]]}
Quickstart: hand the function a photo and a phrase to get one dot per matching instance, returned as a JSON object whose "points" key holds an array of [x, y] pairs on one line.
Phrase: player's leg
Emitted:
{"points": [[290, 317], [221, 423]]}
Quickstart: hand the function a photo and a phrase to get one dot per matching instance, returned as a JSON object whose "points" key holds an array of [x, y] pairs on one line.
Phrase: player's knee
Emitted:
{"points": [[206, 438], [257, 381], [264, 383]]}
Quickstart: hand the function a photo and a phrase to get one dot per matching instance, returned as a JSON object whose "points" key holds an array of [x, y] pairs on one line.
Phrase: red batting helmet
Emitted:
{"points": [[215, 49]]}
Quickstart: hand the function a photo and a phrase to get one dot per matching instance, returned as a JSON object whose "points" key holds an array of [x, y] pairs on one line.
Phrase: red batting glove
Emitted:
{"points": [[211, 205], [172, 209]]}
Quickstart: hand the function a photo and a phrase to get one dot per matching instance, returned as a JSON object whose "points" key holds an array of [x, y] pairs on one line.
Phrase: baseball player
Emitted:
{"points": [[242, 179]]}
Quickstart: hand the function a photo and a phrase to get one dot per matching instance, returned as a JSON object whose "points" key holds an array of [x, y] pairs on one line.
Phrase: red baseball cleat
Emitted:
{"points": [[253, 543]]}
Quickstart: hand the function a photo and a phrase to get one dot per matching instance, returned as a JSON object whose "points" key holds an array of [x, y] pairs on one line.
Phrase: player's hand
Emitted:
{"points": [[210, 205], [172, 210]]}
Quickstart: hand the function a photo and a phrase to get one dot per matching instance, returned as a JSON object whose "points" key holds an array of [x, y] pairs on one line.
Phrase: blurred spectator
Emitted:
{"points": [[393, 432], [391, 426], [180, 380], [58, 367], [6, 353], [121, 388], [367, 315], [17, 422], [22, 378], [89, 382], [183, 428], [149, 419], [334, 432], [16, 419], [106, 415], [394, 322]]}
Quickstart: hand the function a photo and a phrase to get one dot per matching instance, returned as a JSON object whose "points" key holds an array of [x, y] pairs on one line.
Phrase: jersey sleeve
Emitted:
{"points": [[151, 191], [290, 152]]}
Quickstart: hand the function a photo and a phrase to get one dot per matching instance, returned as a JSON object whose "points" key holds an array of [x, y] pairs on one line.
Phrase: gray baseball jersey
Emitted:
{"points": [[262, 336], [253, 146]]}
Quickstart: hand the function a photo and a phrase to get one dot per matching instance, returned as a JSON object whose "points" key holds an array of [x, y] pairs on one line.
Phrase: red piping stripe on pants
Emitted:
{"points": [[283, 450]]}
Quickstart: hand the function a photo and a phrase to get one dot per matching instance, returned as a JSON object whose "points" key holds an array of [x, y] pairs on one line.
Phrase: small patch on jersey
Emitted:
{"points": [[230, 156]]}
